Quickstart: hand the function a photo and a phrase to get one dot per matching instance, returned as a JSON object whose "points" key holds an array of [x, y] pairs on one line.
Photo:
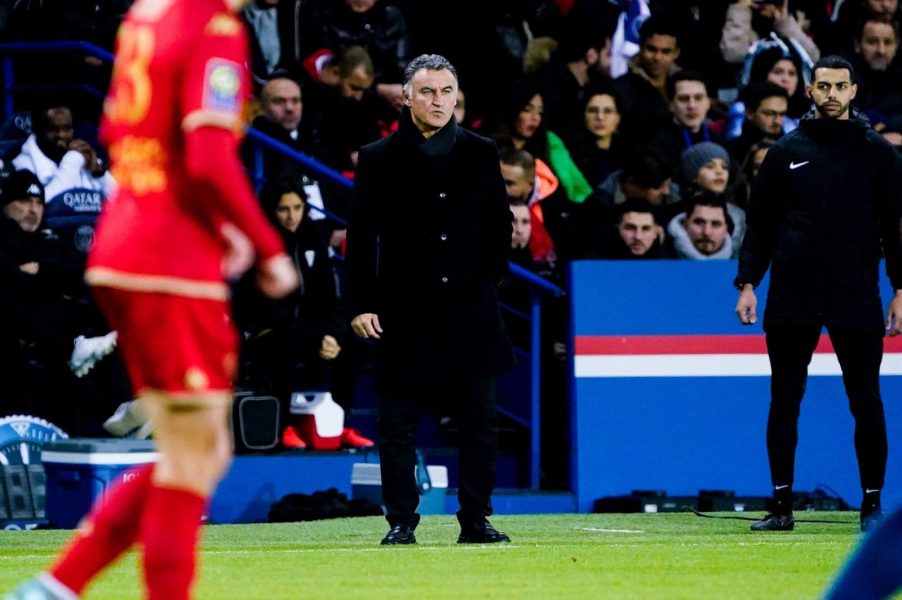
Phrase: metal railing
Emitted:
{"points": [[538, 285]]}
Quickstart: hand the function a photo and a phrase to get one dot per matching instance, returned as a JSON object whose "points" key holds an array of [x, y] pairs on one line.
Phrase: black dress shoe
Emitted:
{"points": [[400, 533], [480, 532]]}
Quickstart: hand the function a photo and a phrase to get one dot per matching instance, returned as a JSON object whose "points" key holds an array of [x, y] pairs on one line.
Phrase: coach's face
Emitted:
{"points": [[431, 96]]}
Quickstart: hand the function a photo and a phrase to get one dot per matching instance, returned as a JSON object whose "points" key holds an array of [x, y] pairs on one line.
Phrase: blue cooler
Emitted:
{"points": [[366, 482], [81, 471]]}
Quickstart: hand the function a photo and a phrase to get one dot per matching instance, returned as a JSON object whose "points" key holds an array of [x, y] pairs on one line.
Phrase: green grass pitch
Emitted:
{"points": [[665, 556]]}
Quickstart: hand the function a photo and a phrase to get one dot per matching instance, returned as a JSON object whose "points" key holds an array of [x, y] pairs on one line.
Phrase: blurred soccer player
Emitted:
{"points": [[184, 220]]}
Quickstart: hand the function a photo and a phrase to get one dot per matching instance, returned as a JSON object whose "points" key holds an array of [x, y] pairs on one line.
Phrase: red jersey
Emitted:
{"points": [[180, 66]]}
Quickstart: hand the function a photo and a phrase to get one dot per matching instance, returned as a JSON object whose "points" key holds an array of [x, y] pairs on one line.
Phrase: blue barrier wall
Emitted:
{"points": [[671, 393]]}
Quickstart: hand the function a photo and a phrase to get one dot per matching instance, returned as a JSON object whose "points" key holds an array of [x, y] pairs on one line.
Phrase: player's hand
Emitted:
{"points": [[746, 307], [329, 348], [367, 325], [239, 254], [277, 277], [894, 316]]}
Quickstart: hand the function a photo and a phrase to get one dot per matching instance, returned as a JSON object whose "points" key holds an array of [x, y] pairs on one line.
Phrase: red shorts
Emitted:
{"points": [[172, 344]]}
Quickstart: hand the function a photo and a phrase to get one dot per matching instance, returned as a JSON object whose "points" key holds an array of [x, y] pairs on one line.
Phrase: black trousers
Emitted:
{"points": [[859, 352], [472, 404]]}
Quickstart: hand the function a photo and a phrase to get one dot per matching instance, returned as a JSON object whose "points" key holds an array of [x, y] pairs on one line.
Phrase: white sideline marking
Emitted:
{"points": [[611, 530]]}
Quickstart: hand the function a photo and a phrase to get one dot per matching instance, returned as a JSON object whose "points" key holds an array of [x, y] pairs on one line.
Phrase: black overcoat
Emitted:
{"points": [[824, 208], [427, 247]]}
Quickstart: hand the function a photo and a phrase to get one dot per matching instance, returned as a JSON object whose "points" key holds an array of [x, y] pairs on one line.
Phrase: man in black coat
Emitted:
{"points": [[824, 205], [428, 239]]}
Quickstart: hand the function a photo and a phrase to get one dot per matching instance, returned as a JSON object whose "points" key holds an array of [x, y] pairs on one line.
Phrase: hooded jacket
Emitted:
{"points": [[69, 174], [824, 207]]}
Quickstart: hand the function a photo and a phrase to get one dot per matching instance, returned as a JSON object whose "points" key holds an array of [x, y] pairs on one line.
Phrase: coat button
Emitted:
{"points": [[444, 280], [442, 195], [443, 237]]}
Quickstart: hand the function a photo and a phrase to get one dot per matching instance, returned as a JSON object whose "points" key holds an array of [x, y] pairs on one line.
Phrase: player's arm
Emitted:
{"points": [[762, 222]]}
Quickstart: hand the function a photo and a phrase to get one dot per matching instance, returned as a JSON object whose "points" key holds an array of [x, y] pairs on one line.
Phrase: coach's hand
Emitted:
{"points": [[277, 277], [367, 325], [746, 307], [894, 316]]}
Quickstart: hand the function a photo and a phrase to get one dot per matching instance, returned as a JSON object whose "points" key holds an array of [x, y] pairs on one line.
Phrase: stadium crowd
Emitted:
{"points": [[627, 129]]}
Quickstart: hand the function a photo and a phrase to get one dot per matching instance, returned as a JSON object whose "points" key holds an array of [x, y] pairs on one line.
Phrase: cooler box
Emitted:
{"points": [[318, 419], [366, 482], [81, 471]]}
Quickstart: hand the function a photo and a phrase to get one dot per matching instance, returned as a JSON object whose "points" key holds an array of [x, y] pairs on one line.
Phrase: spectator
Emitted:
{"points": [[848, 15], [645, 175], [564, 80], [879, 77], [281, 113], [61, 162], [376, 25], [292, 342], [765, 105], [751, 20], [690, 101], [274, 38], [644, 87], [523, 127], [706, 169], [531, 181], [45, 305], [704, 231], [598, 146], [342, 108], [775, 61], [634, 233], [750, 166]]}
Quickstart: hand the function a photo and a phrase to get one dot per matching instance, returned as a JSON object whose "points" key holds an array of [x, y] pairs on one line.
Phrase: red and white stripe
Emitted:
{"points": [[701, 356]]}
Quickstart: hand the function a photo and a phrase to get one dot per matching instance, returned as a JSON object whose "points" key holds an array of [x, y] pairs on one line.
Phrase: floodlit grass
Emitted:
{"points": [[553, 556]]}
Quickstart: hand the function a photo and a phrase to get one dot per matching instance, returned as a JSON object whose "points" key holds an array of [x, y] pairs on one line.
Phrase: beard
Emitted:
{"points": [[832, 113]]}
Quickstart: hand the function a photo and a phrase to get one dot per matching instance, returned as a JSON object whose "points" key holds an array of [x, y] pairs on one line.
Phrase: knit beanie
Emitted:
{"points": [[695, 157], [20, 185]]}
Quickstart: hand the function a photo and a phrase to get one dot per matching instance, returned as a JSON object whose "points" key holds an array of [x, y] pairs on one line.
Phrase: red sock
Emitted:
{"points": [[169, 531], [109, 530]]}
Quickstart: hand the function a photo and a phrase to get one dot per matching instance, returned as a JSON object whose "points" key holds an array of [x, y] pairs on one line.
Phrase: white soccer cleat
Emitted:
{"points": [[128, 417], [89, 351], [42, 587]]}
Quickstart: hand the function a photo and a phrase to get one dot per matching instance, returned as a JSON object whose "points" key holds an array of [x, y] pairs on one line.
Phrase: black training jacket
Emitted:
{"points": [[824, 208]]}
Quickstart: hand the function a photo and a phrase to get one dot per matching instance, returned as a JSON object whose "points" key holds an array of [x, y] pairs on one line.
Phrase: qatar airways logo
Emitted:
{"points": [[83, 201]]}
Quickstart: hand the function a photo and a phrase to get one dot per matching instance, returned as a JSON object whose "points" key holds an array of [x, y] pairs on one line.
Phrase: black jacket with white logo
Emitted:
{"points": [[824, 208]]}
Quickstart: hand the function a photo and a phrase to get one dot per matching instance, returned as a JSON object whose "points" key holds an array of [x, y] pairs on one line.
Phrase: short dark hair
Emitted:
{"points": [[685, 75], [658, 25], [430, 62], [520, 158], [40, 115], [353, 58], [833, 62], [756, 93], [636, 205], [712, 200], [646, 168], [893, 23]]}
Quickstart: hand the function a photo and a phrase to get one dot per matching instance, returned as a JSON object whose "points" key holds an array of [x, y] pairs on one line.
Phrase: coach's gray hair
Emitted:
{"points": [[431, 62]]}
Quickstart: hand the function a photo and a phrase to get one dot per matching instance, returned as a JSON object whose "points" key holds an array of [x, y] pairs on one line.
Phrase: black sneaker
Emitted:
{"points": [[775, 522], [870, 519], [400, 533]]}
